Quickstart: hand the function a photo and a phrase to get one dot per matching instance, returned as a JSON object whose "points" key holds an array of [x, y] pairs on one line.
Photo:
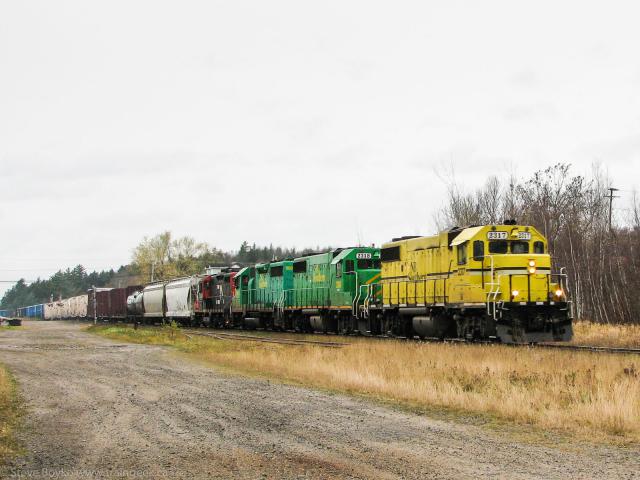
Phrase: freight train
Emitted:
{"points": [[487, 282]]}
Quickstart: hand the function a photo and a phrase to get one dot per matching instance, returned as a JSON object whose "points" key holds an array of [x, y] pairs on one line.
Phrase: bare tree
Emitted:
{"points": [[572, 212]]}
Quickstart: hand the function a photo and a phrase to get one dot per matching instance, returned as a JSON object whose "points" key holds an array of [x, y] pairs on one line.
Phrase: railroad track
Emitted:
{"points": [[588, 348], [256, 338], [292, 341]]}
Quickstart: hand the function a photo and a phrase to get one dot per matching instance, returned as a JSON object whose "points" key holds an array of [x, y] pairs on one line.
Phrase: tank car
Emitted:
{"points": [[135, 306]]}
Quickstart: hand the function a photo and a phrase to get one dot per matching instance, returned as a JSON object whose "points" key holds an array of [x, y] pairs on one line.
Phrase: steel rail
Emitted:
{"points": [[459, 341], [254, 338]]}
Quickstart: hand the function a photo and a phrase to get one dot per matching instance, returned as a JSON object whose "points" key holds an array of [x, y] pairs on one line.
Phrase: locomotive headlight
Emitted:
{"points": [[532, 263], [515, 293], [559, 293], [532, 270]]}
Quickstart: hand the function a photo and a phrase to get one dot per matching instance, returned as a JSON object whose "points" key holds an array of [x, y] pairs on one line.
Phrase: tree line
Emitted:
{"points": [[163, 257], [572, 211], [62, 284]]}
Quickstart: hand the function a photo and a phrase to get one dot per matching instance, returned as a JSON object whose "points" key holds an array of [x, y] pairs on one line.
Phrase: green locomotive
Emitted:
{"points": [[320, 292]]}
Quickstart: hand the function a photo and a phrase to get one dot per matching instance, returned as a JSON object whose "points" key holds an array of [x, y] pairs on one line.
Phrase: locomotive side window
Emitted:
{"points": [[390, 254], [348, 266], [367, 263], [519, 247], [276, 271], [538, 247], [498, 246], [376, 263], [300, 267], [338, 269], [462, 253], [478, 250]]}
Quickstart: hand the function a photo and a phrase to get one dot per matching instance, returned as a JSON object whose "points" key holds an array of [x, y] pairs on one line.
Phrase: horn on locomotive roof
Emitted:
{"points": [[510, 221]]}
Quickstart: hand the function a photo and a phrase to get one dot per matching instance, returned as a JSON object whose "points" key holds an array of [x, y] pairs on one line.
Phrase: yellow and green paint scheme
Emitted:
{"points": [[487, 277]]}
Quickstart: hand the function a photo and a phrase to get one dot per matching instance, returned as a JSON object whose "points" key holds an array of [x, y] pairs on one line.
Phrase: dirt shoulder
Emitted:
{"points": [[10, 412], [100, 409]]}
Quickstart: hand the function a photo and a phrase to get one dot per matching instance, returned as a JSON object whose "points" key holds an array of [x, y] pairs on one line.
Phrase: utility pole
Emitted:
{"points": [[153, 270], [611, 197], [95, 305]]}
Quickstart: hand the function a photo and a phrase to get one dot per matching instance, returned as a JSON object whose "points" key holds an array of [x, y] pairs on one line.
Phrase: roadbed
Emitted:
{"points": [[103, 409]]}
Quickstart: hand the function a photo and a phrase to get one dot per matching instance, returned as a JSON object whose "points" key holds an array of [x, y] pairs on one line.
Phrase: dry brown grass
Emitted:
{"points": [[590, 395], [606, 335], [10, 411]]}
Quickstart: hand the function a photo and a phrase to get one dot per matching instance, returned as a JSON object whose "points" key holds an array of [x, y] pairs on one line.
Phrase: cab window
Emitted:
{"points": [[498, 246], [519, 247], [538, 247], [478, 250], [348, 266], [338, 269], [462, 253], [368, 263]]}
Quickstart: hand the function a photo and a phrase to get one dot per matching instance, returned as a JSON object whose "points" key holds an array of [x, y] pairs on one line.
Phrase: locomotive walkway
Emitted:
{"points": [[99, 409]]}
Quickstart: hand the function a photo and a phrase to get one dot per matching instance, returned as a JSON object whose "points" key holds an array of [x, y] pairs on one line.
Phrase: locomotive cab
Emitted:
{"points": [[509, 265]]}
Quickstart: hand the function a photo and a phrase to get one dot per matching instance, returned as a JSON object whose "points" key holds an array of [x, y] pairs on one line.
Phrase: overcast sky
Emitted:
{"points": [[293, 123]]}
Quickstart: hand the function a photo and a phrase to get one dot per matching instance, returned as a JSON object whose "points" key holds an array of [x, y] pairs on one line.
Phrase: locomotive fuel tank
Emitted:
{"points": [[437, 326]]}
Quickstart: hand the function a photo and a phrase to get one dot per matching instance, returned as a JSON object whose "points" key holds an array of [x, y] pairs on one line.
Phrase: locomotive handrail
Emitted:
{"points": [[301, 297]]}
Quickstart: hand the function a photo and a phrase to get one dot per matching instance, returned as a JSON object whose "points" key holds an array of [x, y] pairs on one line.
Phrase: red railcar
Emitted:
{"points": [[109, 303], [98, 303], [118, 301]]}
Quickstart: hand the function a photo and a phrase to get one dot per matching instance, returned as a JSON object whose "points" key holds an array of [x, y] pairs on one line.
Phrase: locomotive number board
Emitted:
{"points": [[362, 256], [497, 235], [504, 235]]}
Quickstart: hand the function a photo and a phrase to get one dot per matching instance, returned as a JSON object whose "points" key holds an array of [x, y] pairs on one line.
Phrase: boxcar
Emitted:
{"points": [[32, 311], [51, 311], [117, 309], [98, 303]]}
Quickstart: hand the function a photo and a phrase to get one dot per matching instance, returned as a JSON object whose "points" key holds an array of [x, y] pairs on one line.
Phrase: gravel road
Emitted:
{"points": [[100, 409]]}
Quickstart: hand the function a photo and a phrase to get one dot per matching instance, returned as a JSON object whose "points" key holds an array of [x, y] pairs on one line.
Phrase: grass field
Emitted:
{"points": [[605, 335], [10, 411], [587, 395]]}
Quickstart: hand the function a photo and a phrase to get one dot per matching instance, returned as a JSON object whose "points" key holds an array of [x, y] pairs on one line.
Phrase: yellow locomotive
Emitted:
{"points": [[478, 282]]}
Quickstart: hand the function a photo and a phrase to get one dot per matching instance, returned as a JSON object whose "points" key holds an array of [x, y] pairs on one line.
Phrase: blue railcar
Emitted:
{"points": [[6, 313], [32, 311]]}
